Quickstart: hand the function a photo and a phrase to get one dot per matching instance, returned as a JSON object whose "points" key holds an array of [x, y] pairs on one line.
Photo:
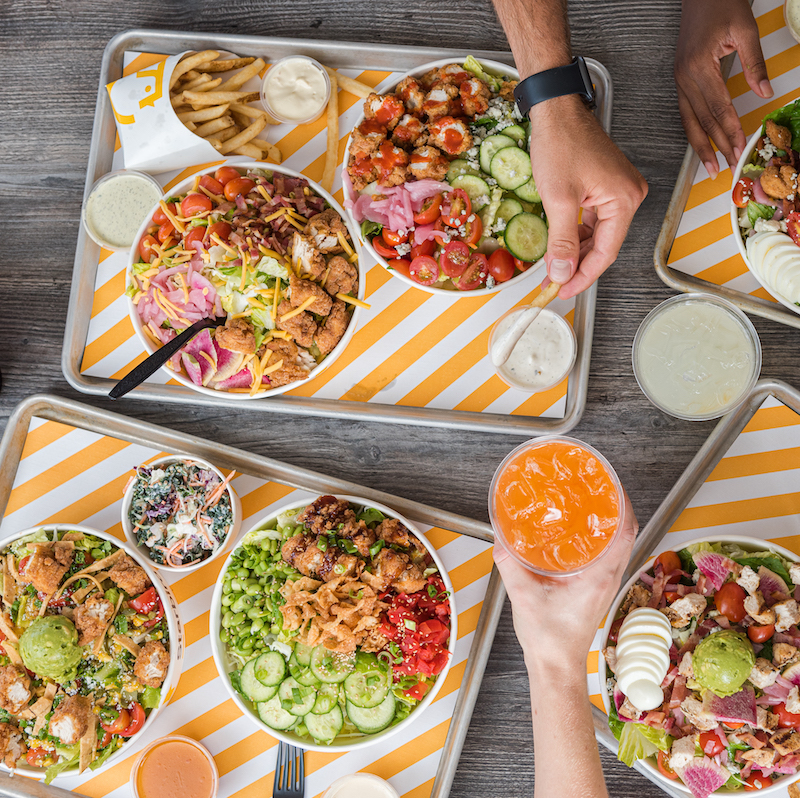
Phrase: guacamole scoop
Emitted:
{"points": [[723, 661], [49, 647]]}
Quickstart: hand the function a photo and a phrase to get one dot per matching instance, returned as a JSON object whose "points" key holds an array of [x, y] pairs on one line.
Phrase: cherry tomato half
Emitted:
{"points": [[760, 634], [501, 265], [401, 265], [454, 258], [41, 757], [456, 208], [742, 192], [165, 231], [613, 632], [225, 174], [239, 185], [159, 217], [756, 781], [729, 600], [671, 595], [425, 248], [793, 226], [220, 229], [711, 744], [669, 560], [786, 719], [195, 234], [123, 720], [424, 270], [145, 248], [138, 717], [381, 248], [430, 210], [392, 239], [194, 204], [212, 185], [473, 230], [475, 274], [663, 766], [523, 265]]}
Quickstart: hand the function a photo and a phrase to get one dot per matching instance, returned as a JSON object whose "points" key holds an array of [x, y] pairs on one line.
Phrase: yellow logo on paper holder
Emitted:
{"points": [[154, 90]]}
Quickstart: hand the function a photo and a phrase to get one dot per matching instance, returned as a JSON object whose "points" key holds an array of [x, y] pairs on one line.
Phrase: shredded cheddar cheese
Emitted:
{"points": [[264, 193], [353, 301], [345, 245], [274, 367], [217, 240], [275, 215], [298, 310], [171, 216]]}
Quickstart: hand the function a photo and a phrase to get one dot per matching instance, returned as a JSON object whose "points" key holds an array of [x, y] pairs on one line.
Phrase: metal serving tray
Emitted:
{"points": [[82, 416], [338, 55], [704, 462]]}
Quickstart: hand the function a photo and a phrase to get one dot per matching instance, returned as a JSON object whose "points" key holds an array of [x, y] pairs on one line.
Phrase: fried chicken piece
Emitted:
{"points": [[452, 75], [71, 719], [323, 230], [367, 137], [410, 92], [385, 109], [12, 745], [779, 183], [129, 576], [392, 531], [91, 617], [475, 96], [291, 370], [302, 553], [411, 580], [440, 101], [325, 513], [779, 135], [331, 330], [507, 89], [342, 277], [359, 534], [301, 326], [152, 663], [15, 688], [302, 290], [410, 132], [311, 260], [428, 162], [362, 171], [237, 335], [450, 135], [638, 596], [47, 566]]}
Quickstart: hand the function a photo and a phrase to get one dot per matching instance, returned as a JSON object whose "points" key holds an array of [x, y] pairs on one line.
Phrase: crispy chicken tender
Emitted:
{"points": [[452, 75], [386, 109], [47, 566], [291, 370], [779, 182], [129, 576], [71, 719], [237, 335], [779, 135], [359, 534], [325, 513], [507, 89], [331, 330], [394, 569], [12, 745], [410, 92], [311, 260], [302, 553], [450, 135], [410, 132], [475, 96], [15, 688], [152, 663], [91, 617], [367, 137], [342, 277], [362, 171], [323, 230], [302, 290], [392, 531], [428, 162], [440, 101], [301, 327]]}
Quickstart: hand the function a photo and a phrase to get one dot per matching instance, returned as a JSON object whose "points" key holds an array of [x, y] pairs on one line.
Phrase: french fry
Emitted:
{"points": [[214, 126], [332, 153], [241, 119], [190, 75], [191, 62], [253, 113], [191, 84], [243, 75], [228, 133], [242, 138], [192, 126], [217, 97], [269, 149], [214, 142], [250, 151], [225, 65], [203, 115], [350, 84]]}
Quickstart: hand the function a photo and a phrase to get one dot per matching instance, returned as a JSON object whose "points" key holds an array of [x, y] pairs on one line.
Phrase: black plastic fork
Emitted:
{"points": [[290, 780]]}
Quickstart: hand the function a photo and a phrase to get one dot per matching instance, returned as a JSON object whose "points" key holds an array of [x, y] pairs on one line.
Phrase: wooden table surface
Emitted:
{"points": [[50, 53]]}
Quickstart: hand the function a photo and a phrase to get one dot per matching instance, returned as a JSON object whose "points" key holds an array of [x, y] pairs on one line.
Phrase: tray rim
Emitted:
{"points": [[690, 481], [338, 54], [105, 422]]}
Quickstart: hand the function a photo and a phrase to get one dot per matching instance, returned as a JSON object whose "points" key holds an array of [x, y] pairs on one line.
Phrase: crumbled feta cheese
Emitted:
{"points": [[744, 220], [767, 226], [403, 249], [472, 152], [768, 150], [490, 282], [499, 226]]}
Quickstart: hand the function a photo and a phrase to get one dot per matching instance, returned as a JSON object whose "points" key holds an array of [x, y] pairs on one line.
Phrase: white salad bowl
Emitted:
{"points": [[737, 232], [174, 625], [746, 543], [130, 535], [492, 67], [186, 185], [225, 664]]}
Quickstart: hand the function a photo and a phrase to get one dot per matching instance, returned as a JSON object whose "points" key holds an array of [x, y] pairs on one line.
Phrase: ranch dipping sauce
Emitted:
{"points": [[116, 207], [696, 357], [360, 785], [174, 767], [542, 357], [295, 90], [791, 13]]}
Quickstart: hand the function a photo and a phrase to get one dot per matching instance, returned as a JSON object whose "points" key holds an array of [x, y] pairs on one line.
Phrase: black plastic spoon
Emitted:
{"points": [[160, 357]]}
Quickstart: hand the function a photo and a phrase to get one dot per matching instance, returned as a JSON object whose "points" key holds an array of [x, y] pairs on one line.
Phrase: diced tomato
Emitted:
{"points": [[729, 724], [475, 274], [212, 185], [793, 226], [424, 270], [41, 757], [381, 248], [23, 564], [742, 192], [786, 719], [663, 766], [757, 781], [401, 265], [418, 691], [671, 595], [195, 234], [106, 739], [392, 239], [138, 717], [454, 258], [430, 210], [225, 174], [456, 208], [146, 602], [237, 186], [711, 743], [159, 217], [523, 265], [501, 265]]}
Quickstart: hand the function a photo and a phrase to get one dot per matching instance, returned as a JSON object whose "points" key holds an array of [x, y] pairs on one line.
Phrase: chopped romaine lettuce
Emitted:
{"points": [[752, 171], [755, 210], [59, 767], [471, 65], [270, 266], [768, 559], [788, 116], [638, 741], [261, 318], [150, 697], [369, 228]]}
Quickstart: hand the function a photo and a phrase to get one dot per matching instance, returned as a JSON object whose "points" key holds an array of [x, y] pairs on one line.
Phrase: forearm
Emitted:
{"points": [[537, 31], [565, 751]]}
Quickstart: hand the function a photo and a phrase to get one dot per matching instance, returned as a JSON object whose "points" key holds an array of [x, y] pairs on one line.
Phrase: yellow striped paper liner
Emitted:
{"points": [[705, 245], [72, 475], [411, 349], [754, 491]]}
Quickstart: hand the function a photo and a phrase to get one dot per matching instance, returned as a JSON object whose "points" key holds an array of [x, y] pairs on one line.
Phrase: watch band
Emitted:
{"points": [[572, 78]]}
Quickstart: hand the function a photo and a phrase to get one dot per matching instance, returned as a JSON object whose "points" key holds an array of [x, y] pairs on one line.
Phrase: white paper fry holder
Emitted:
{"points": [[153, 139]]}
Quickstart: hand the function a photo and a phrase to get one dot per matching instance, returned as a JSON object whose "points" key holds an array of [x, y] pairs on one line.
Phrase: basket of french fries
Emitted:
{"points": [[190, 108]]}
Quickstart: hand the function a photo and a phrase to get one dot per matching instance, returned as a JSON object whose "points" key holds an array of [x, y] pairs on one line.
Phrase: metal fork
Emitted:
{"points": [[290, 780]]}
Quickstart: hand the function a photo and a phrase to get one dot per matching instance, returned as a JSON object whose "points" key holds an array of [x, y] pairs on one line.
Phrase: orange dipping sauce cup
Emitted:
{"points": [[556, 505], [175, 767]]}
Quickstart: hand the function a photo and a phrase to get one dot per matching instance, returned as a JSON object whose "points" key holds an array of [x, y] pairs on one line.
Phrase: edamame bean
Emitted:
{"points": [[248, 644], [253, 590], [248, 563], [227, 600], [257, 626], [275, 628], [236, 586], [242, 604], [224, 635], [273, 546], [260, 568], [254, 612], [238, 619], [227, 619], [243, 573]]}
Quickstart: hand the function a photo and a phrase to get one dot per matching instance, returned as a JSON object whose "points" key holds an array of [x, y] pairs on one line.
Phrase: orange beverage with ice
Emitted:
{"points": [[556, 504]]}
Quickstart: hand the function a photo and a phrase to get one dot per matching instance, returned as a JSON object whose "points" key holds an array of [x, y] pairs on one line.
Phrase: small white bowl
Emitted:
{"points": [[174, 625], [130, 535], [748, 544], [269, 76], [173, 738], [225, 665], [356, 782]]}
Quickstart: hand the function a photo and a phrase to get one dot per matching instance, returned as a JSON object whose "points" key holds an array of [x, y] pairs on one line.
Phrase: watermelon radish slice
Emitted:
{"points": [[703, 776], [737, 708], [202, 342], [241, 379], [715, 566], [193, 368], [769, 583], [792, 674], [228, 364]]}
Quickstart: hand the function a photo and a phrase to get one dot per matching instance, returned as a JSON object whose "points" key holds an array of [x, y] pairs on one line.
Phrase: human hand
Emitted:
{"points": [[556, 618], [710, 30], [575, 165]]}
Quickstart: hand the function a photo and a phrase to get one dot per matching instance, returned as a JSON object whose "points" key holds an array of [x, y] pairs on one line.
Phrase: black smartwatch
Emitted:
{"points": [[573, 78]]}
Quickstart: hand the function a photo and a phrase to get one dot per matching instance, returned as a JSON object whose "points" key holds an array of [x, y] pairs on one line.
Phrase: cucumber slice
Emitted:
{"points": [[477, 190], [328, 667], [527, 192], [367, 689], [327, 699], [252, 687], [460, 167], [303, 675], [373, 719], [526, 237], [324, 728], [517, 133], [508, 209], [511, 167], [302, 653], [296, 698], [271, 668], [490, 145], [274, 715]]}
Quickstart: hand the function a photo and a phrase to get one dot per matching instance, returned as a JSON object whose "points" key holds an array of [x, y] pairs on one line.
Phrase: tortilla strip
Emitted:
{"points": [[7, 627], [88, 748], [99, 642], [45, 602], [9, 584], [127, 643], [12, 566], [99, 565], [73, 536], [79, 595], [11, 652], [41, 707]]}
